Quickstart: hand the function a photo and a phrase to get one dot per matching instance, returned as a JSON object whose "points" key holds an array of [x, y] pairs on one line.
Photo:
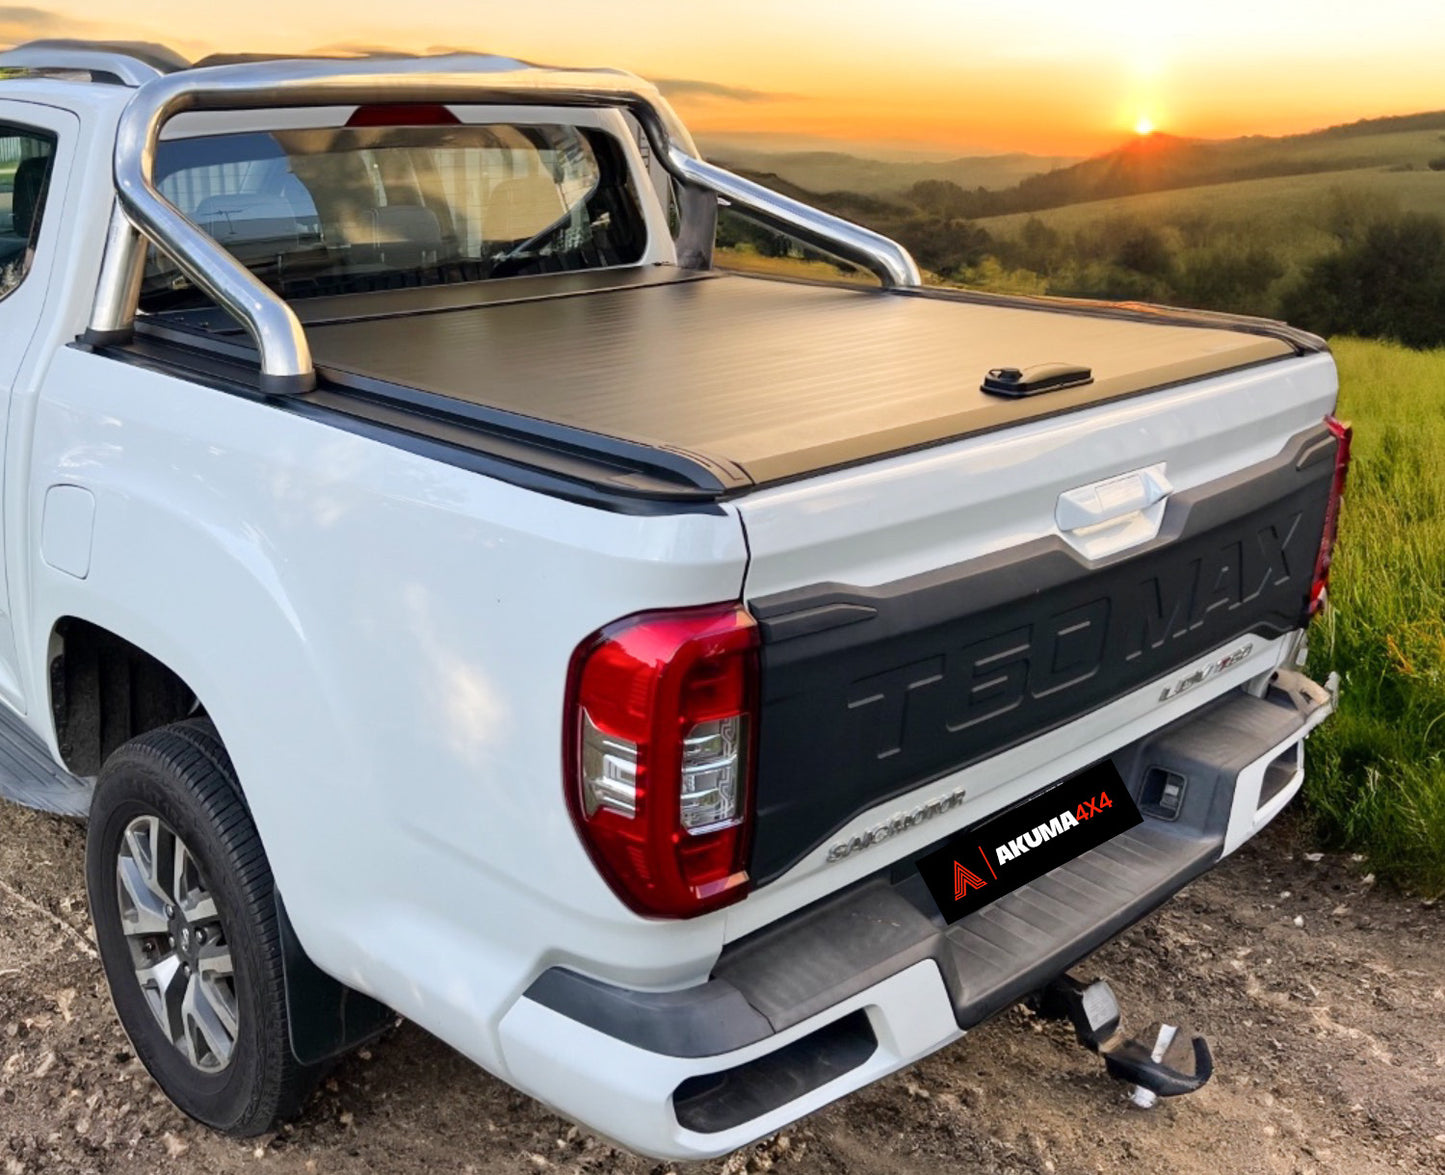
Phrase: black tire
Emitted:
{"points": [[182, 775]]}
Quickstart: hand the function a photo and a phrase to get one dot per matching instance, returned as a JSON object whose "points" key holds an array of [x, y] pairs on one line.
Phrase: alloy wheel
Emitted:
{"points": [[178, 944]]}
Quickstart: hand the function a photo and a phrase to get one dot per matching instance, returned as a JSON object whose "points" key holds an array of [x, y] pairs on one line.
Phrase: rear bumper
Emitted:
{"points": [[871, 979]]}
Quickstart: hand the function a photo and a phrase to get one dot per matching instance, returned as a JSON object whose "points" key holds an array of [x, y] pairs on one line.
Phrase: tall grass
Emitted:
{"points": [[1377, 769]]}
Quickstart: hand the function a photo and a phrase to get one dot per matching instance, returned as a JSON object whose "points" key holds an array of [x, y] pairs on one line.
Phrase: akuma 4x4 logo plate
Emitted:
{"points": [[981, 864]]}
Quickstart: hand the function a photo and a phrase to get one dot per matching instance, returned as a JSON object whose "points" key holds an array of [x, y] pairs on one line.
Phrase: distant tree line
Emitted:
{"points": [[1380, 272], [1388, 282]]}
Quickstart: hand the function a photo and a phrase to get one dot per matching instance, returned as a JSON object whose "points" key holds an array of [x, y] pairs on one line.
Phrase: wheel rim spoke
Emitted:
{"points": [[180, 871], [200, 908], [179, 949], [141, 910], [208, 1043], [143, 846], [188, 1038], [216, 976], [215, 963], [164, 987]]}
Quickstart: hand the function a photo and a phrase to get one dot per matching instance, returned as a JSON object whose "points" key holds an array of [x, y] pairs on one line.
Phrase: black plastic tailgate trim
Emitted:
{"points": [[942, 670]]}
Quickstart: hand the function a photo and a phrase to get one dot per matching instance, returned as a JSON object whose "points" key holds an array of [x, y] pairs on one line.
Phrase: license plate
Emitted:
{"points": [[981, 864]]}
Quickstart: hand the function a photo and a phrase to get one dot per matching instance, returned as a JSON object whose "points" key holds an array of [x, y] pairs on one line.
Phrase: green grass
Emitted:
{"points": [[1377, 769], [746, 259]]}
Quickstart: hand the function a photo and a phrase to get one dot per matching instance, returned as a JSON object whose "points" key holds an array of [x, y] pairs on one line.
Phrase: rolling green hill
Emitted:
{"points": [[830, 171], [1162, 162], [1240, 224], [1290, 213], [998, 186]]}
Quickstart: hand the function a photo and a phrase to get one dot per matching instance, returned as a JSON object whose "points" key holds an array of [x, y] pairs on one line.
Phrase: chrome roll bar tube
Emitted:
{"points": [[286, 367]]}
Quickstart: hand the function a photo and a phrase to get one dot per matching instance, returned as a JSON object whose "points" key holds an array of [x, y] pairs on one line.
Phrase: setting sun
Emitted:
{"points": [[1144, 126]]}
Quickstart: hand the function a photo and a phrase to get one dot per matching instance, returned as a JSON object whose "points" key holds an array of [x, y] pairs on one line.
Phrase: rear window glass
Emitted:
{"points": [[346, 210]]}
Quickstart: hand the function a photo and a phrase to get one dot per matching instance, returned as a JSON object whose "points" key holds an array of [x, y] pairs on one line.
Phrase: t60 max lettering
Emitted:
{"points": [[975, 683]]}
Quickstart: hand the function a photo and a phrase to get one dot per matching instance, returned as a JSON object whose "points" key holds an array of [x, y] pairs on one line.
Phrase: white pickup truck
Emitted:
{"points": [[692, 696]]}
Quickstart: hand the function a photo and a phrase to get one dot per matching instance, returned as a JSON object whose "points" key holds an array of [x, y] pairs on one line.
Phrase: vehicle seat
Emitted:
{"points": [[520, 208], [31, 176], [246, 216], [406, 235]]}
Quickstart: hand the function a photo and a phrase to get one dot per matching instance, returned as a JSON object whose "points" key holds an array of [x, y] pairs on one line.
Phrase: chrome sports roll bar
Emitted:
{"points": [[143, 213], [127, 63]]}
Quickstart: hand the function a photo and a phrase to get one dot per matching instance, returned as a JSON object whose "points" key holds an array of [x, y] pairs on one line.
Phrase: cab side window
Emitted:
{"points": [[26, 159]]}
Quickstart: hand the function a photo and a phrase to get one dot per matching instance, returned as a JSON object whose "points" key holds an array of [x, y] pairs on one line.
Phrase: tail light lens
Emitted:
{"points": [[1343, 434], [660, 728]]}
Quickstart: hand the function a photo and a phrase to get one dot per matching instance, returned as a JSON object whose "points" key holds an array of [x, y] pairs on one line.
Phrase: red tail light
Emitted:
{"points": [[659, 737], [1343, 434]]}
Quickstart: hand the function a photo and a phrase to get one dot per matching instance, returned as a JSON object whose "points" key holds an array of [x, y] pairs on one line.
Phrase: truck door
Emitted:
{"points": [[36, 146]]}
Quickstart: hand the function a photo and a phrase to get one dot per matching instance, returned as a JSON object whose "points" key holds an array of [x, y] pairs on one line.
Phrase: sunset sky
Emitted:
{"points": [[956, 75]]}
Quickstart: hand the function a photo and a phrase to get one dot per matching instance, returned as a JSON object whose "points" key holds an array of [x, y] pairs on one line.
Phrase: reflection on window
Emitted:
{"points": [[25, 160], [351, 209]]}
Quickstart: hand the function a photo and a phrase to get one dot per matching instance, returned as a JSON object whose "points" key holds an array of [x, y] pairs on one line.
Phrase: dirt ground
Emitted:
{"points": [[1324, 1000]]}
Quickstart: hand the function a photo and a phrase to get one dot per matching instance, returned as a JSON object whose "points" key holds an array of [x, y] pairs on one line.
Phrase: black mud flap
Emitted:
{"points": [[326, 1018]]}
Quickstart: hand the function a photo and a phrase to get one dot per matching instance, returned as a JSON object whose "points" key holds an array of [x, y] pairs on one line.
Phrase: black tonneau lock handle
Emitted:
{"points": [[1030, 381]]}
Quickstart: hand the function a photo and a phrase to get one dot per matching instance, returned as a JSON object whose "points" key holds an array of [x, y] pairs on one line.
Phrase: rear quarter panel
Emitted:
{"points": [[382, 641]]}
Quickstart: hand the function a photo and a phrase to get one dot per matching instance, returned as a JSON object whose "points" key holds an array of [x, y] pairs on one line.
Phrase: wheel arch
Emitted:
{"points": [[195, 655], [104, 690], [209, 623]]}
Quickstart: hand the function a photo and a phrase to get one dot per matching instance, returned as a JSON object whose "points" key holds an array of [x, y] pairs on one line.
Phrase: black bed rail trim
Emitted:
{"points": [[659, 464], [575, 473], [1303, 342], [615, 465]]}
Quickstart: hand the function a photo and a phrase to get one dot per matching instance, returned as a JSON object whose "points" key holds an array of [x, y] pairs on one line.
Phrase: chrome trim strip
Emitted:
{"points": [[457, 78]]}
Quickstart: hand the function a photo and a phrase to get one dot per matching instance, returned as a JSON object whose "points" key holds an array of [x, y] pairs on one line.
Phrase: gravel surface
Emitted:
{"points": [[1324, 1000]]}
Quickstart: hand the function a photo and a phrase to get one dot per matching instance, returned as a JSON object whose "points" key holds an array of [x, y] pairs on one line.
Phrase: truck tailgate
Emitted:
{"points": [[925, 613]]}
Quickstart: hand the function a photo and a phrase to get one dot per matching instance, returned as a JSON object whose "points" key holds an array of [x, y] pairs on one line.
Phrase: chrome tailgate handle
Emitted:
{"points": [[1114, 514], [1105, 500]]}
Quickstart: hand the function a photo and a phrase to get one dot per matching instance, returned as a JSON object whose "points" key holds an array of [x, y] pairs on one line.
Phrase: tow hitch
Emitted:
{"points": [[1093, 1010]]}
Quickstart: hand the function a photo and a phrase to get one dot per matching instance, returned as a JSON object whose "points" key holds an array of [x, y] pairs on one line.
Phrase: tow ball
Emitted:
{"points": [[1093, 1010]]}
